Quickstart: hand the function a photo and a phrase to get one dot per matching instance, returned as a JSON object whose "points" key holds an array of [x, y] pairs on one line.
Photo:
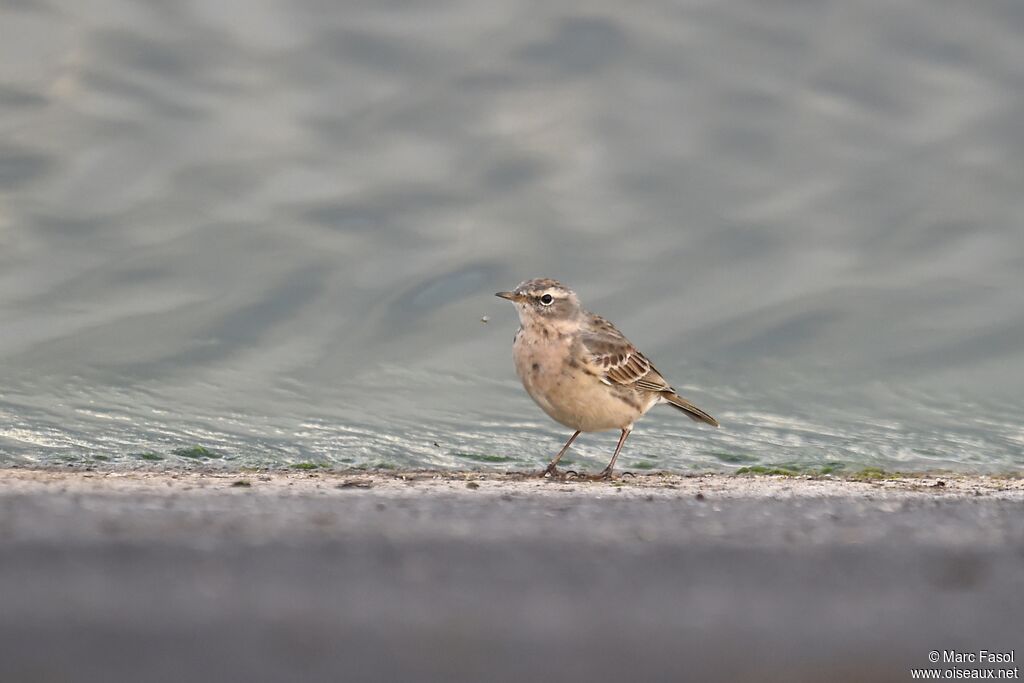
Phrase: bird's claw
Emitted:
{"points": [[551, 472], [555, 474]]}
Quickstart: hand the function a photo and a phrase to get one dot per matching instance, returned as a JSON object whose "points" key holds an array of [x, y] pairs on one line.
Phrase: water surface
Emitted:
{"points": [[271, 229]]}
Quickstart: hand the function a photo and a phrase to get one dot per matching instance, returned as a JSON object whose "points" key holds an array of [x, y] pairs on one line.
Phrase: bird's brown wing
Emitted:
{"points": [[614, 358]]}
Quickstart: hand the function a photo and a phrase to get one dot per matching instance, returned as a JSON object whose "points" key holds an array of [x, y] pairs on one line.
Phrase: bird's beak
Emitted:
{"points": [[511, 296]]}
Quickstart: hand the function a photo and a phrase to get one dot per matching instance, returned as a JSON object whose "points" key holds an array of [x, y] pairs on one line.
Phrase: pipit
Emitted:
{"points": [[582, 371]]}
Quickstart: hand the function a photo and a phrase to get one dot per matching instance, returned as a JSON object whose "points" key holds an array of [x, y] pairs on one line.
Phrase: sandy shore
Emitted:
{"points": [[385, 482], [164, 576]]}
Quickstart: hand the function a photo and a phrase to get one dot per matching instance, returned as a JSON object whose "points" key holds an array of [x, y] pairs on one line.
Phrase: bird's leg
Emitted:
{"points": [[551, 469], [606, 473]]}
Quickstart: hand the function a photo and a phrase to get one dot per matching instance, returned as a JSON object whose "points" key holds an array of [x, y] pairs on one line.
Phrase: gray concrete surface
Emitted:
{"points": [[337, 579]]}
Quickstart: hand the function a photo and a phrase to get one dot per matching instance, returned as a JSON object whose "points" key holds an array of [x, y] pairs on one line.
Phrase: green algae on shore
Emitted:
{"points": [[197, 453]]}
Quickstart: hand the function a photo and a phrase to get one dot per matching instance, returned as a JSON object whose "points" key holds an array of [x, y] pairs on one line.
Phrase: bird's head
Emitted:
{"points": [[543, 299]]}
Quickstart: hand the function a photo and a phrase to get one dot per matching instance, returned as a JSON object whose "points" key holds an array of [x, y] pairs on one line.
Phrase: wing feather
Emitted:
{"points": [[615, 359]]}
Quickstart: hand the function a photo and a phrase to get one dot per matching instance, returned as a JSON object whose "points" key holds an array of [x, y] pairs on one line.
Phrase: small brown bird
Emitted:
{"points": [[582, 371]]}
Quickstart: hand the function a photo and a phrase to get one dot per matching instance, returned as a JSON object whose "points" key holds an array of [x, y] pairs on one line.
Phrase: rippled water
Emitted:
{"points": [[271, 229]]}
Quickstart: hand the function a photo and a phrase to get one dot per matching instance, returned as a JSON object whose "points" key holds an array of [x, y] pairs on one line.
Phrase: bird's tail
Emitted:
{"points": [[692, 411]]}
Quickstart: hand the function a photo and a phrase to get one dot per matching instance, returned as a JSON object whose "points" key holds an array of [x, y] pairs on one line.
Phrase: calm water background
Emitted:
{"points": [[272, 228]]}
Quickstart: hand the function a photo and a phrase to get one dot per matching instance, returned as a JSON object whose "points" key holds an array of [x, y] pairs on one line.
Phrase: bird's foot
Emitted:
{"points": [[603, 475], [551, 472], [563, 475], [555, 474]]}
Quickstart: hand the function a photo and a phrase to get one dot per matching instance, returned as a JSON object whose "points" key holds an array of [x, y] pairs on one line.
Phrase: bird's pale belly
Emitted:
{"points": [[566, 391]]}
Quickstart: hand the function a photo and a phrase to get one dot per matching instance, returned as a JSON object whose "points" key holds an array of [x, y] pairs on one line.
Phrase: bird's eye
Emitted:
{"points": [[547, 299]]}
